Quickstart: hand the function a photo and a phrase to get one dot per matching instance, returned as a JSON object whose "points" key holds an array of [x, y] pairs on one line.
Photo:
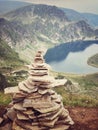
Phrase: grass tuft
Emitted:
{"points": [[5, 99]]}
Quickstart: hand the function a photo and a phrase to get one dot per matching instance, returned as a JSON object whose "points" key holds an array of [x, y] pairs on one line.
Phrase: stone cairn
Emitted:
{"points": [[35, 106]]}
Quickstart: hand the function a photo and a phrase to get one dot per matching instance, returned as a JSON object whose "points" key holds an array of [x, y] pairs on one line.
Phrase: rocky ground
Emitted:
{"points": [[84, 118]]}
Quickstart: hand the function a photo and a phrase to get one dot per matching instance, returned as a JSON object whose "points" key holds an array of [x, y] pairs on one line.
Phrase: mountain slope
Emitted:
{"points": [[14, 32], [29, 13], [8, 57], [49, 24], [8, 32]]}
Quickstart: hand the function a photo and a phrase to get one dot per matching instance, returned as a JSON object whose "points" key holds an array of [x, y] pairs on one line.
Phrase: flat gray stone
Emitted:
{"points": [[37, 103], [1, 120], [22, 116], [22, 87], [19, 106], [48, 123], [11, 114], [49, 109], [11, 90], [60, 127]]}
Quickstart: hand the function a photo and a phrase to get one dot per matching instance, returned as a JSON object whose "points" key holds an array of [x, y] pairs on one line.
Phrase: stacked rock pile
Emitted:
{"points": [[35, 105]]}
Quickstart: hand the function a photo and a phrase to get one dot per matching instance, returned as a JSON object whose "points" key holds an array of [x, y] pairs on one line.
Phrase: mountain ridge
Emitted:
{"points": [[45, 21]]}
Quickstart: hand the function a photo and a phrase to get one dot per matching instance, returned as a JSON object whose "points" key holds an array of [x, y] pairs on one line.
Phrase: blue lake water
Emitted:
{"points": [[76, 62]]}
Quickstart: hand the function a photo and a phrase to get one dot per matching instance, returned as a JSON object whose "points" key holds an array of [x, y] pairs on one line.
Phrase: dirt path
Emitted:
{"points": [[84, 118]]}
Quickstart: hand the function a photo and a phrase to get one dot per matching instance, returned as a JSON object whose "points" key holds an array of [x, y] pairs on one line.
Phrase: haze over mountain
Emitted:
{"points": [[7, 5], [41, 26], [90, 18]]}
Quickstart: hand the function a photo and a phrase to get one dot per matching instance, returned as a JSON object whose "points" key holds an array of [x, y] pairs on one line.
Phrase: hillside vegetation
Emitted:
{"points": [[93, 61], [87, 95], [8, 57], [9, 61]]}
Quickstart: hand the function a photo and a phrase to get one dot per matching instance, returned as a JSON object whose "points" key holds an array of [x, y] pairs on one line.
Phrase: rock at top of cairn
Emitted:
{"points": [[39, 57], [35, 105]]}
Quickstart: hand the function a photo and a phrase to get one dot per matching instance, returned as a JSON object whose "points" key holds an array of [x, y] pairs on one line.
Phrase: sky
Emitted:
{"points": [[90, 6]]}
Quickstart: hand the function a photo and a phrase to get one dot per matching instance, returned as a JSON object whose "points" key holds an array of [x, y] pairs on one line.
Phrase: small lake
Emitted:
{"points": [[76, 62]]}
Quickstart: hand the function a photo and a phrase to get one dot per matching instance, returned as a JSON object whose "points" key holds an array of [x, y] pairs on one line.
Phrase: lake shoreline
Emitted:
{"points": [[93, 60], [93, 65], [66, 74], [77, 62]]}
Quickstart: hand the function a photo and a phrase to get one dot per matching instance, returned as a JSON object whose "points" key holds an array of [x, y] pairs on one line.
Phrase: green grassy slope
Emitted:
{"points": [[88, 94], [8, 57]]}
